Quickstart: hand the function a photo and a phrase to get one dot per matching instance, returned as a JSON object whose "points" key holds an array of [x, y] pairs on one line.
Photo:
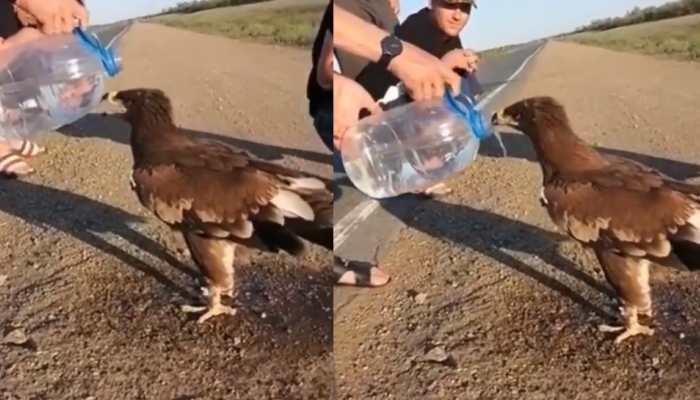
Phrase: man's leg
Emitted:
{"points": [[347, 272]]}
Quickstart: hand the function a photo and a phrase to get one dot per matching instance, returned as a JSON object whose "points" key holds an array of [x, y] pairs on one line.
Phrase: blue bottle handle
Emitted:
{"points": [[464, 105], [106, 55]]}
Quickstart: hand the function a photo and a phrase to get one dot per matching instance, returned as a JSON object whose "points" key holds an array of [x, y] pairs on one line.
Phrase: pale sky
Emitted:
{"points": [[104, 11], [494, 23]]}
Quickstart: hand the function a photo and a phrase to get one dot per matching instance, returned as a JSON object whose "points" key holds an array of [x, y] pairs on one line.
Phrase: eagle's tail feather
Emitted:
{"points": [[277, 237], [307, 207], [292, 205], [688, 253], [686, 244], [307, 198], [320, 236]]}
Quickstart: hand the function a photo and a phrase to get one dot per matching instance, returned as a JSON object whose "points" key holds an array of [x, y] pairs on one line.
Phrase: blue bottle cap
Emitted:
{"points": [[106, 56], [465, 107]]}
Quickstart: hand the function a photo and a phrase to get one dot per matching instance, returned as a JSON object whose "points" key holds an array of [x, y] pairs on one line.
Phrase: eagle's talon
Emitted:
{"points": [[192, 309], [217, 310], [634, 331], [610, 328]]}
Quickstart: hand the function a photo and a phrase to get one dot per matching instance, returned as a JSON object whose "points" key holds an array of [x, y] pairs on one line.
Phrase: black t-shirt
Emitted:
{"points": [[319, 97], [9, 25], [420, 30]]}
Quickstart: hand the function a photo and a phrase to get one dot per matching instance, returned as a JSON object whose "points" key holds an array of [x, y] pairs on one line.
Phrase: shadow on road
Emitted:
{"points": [[495, 236], [519, 146], [86, 219], [108, 127]]}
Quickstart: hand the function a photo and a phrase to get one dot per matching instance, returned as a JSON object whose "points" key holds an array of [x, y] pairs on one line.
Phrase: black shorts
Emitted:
{"points": [[9, 25]]}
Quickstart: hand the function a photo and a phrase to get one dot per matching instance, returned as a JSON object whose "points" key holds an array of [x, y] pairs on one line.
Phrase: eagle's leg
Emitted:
{"points": [[215, 259], [630, 278]]}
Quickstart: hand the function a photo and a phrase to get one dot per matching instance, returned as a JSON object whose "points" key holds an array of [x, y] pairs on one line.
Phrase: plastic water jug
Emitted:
{"points": [[413, 146], [55, 80]]}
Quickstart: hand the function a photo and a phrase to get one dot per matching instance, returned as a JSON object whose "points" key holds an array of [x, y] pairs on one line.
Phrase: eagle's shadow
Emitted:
{"points": [[99, 125], [496, 237], [87, 220], [519, 146]]}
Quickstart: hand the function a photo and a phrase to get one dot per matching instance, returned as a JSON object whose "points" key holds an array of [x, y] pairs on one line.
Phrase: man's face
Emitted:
{"points": [[450, 18]]}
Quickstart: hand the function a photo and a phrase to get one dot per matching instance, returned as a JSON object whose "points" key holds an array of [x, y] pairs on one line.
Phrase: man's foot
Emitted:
{"points": [[438, 190], [25, 148], [357, 273], [13, 165]]}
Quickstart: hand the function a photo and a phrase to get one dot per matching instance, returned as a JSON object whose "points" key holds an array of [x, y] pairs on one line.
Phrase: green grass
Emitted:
{"points": [[677, 38], [283, 22]]}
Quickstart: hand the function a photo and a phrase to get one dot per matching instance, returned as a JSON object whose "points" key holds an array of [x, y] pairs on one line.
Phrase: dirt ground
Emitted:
{"points": [[487, 302], [90, 277]]}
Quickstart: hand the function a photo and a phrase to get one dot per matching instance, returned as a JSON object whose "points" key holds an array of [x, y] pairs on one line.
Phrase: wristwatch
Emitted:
{"points": [[391, 47]]}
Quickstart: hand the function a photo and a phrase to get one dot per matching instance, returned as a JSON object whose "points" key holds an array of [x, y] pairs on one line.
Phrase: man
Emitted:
{"points": [[425, 76], [435, 29], [319, 91]]}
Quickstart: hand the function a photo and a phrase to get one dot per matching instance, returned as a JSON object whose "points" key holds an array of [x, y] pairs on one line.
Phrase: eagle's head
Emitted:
{"points": [[142, 105], [533, 116]]}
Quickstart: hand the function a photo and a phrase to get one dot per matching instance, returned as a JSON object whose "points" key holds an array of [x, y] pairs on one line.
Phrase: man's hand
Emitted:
{"points": [[349, 98], [424, 75], [463, 59], [53, 16], [23, 36]]}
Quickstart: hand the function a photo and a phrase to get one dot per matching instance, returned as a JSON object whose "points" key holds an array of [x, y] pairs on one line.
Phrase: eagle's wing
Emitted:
{"points": [[220, 192], [220, 155], [625, 206]]}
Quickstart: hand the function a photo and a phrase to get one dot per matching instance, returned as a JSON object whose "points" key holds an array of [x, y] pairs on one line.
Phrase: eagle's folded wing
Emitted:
{"points": [[624, 208]]}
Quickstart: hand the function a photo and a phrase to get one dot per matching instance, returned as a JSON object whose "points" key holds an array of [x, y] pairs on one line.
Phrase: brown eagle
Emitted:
{"points": [[219, 197], [629, 214]]}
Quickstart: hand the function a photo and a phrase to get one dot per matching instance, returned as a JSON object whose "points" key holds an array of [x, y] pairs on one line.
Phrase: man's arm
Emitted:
{"points": [[374, 12], [424, 75], [356, 36], [324, 70]]}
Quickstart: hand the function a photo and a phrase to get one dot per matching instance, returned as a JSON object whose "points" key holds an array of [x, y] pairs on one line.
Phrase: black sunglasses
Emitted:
{"points": [[464, 7]]}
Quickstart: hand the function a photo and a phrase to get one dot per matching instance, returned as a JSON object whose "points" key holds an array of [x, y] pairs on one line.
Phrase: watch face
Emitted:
{"points": [[392, 46]]}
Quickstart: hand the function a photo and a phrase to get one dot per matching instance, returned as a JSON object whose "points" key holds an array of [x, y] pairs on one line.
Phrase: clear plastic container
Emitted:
{"points": [[414, 146], [55, 80]]}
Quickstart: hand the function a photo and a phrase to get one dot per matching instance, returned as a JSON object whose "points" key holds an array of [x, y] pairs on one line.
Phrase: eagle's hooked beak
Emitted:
{"points": [[111, 98], [500, 118]]}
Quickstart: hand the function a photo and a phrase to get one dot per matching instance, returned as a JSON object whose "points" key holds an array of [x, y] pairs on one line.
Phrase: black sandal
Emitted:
{"points": [[358, 273], [13, 165]]}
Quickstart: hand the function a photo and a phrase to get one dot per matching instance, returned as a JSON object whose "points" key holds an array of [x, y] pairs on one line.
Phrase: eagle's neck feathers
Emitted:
{"points": [[152, 129], [560, 151]]}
